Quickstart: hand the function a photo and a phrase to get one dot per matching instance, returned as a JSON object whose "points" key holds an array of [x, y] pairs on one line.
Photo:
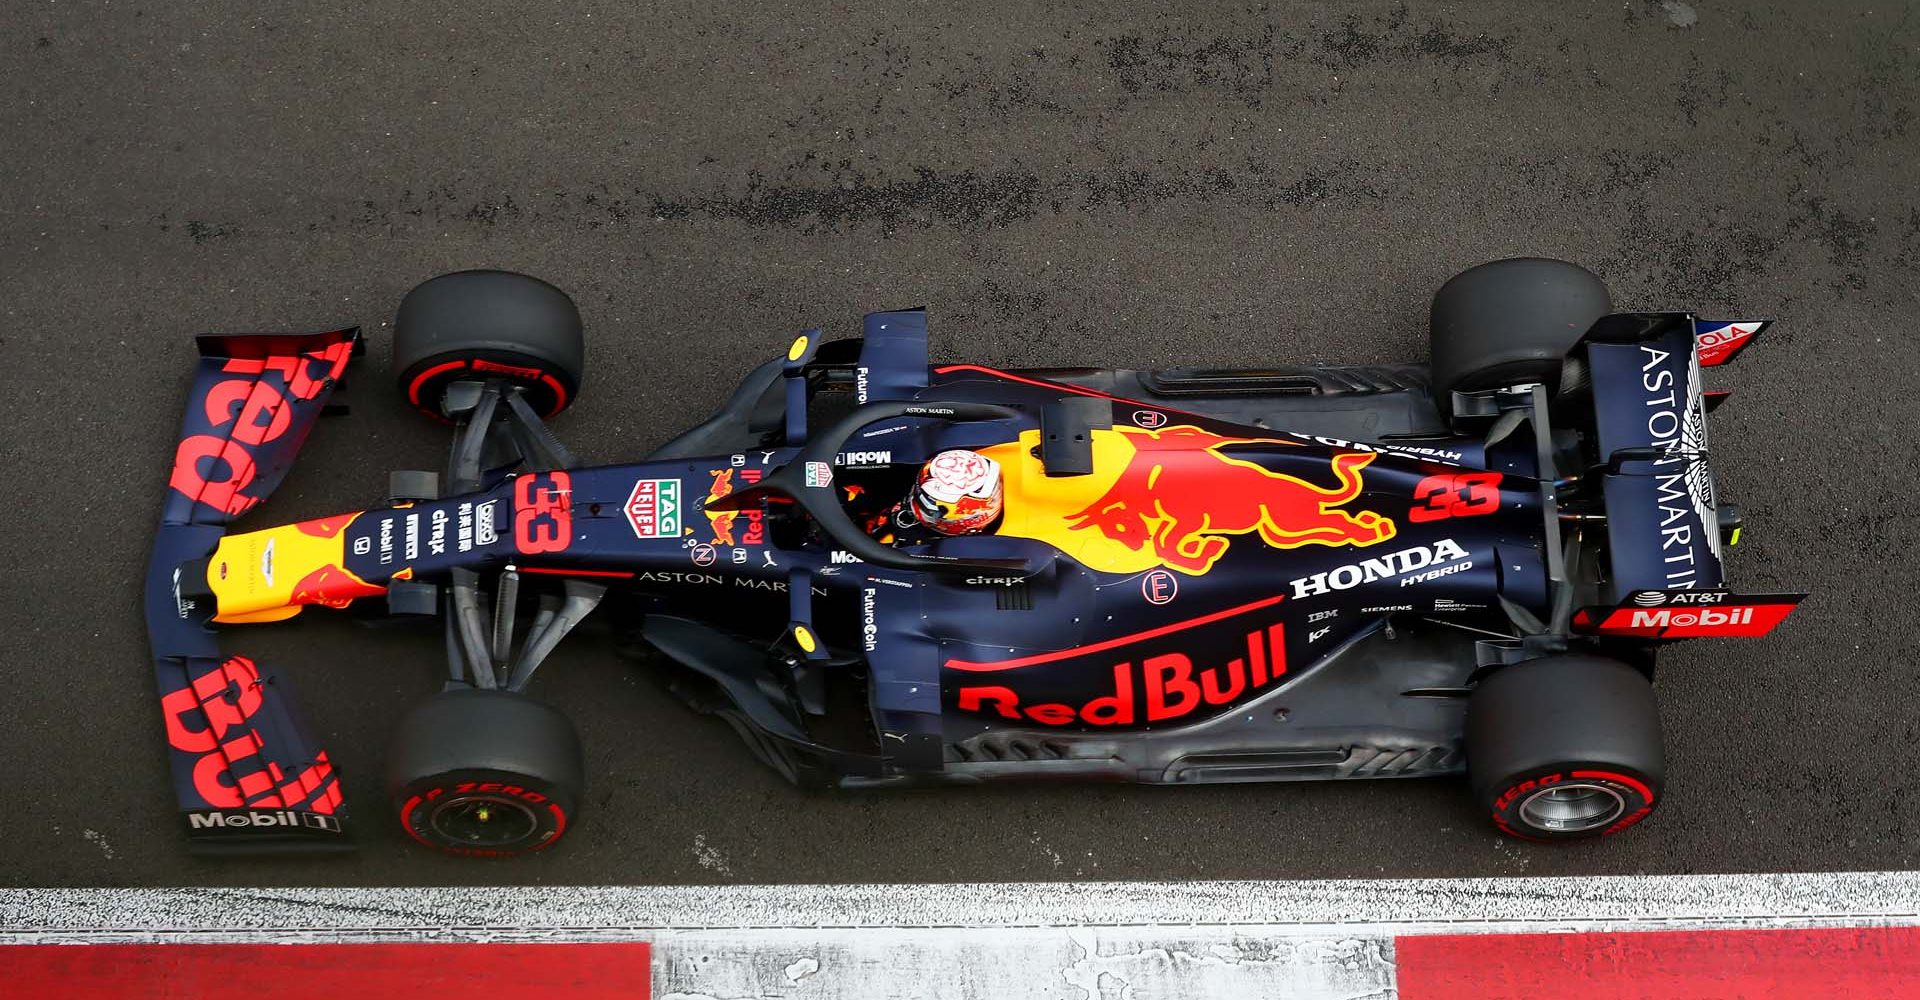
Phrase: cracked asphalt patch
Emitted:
{"points": [[1142, 186]]}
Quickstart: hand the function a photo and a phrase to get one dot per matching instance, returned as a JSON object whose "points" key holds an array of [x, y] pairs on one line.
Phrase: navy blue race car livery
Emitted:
{"points": [[1198, 575]]}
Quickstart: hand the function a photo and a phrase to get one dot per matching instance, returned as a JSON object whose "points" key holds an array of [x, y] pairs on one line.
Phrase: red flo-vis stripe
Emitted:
{"points": [[575, 971], [1872, 963]]}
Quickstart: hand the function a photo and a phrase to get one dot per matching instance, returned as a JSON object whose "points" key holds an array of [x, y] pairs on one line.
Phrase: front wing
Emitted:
{"points": [[247, 770]]}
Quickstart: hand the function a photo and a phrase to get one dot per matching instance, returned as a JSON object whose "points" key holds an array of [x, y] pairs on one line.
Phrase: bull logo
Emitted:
{"points": [[336, 587], [1178, 499], [734, 527], [721, 520]]}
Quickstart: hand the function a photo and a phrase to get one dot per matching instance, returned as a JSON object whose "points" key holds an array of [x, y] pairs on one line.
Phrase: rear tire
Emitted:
{"points": [[1565, 747], [1510, 322], [485, 774], [488, 324]]}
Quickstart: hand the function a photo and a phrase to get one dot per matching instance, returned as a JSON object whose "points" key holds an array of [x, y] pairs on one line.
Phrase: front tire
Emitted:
{"points": [[485, 774], [488, 324], [1565, 747]]}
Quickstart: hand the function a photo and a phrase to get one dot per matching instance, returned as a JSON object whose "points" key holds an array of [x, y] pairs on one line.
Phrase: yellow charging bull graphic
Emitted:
{"points": [[1171, 498]]}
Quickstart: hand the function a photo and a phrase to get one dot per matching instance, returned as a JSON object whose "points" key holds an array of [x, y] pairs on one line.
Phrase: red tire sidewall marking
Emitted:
{"points": [[533, 377], [550, 817], [419, 381], [1637, 795]]}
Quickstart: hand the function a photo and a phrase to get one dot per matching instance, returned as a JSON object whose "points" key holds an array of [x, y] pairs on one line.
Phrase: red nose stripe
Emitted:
{"points": [[1878, 963], [611, 971]]}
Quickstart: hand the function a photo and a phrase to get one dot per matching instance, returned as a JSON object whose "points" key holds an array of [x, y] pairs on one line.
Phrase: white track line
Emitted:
{"points": [[1385, 907]]}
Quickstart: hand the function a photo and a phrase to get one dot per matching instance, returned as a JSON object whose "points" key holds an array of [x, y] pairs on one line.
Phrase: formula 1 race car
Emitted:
{"points": [[1195, 575]]}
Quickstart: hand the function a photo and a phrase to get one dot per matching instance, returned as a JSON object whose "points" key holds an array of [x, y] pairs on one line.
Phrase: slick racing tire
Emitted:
{"points": [[1565, 747], [1510, 322], [488, 324], [485, 774]]}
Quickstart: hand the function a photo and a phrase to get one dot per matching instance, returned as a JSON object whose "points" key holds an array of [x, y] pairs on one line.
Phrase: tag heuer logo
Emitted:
{"points": [[654, 508]]}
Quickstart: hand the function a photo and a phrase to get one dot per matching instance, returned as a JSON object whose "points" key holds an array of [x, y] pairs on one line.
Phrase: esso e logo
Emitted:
{"points": [[1159, 587]]}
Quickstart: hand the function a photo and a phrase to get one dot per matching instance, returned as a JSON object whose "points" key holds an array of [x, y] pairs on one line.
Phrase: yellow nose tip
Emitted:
{"points": [[805, 639], [798, 349]]}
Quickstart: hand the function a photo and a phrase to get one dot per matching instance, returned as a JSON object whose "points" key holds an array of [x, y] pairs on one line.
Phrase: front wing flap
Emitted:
{"points": [[248, 772]]}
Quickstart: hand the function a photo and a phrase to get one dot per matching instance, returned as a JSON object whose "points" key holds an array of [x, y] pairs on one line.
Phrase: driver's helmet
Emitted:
{"points": [[958, 493]]}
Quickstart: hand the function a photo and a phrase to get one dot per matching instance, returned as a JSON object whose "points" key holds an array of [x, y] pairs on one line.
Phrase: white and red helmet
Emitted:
{"points": [[959, 492]]}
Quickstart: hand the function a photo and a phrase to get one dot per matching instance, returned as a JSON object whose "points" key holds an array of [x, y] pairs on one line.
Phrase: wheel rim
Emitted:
{"points": [[1575, 807], [483, 821]]}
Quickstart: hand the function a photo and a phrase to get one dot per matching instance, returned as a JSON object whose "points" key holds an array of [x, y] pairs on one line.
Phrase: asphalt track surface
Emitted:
{"points": [[1215, 184]]}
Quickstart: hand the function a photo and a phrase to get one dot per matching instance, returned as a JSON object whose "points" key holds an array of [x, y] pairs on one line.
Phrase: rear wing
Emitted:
{"points": [[1650, 413], [248, 772]]}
